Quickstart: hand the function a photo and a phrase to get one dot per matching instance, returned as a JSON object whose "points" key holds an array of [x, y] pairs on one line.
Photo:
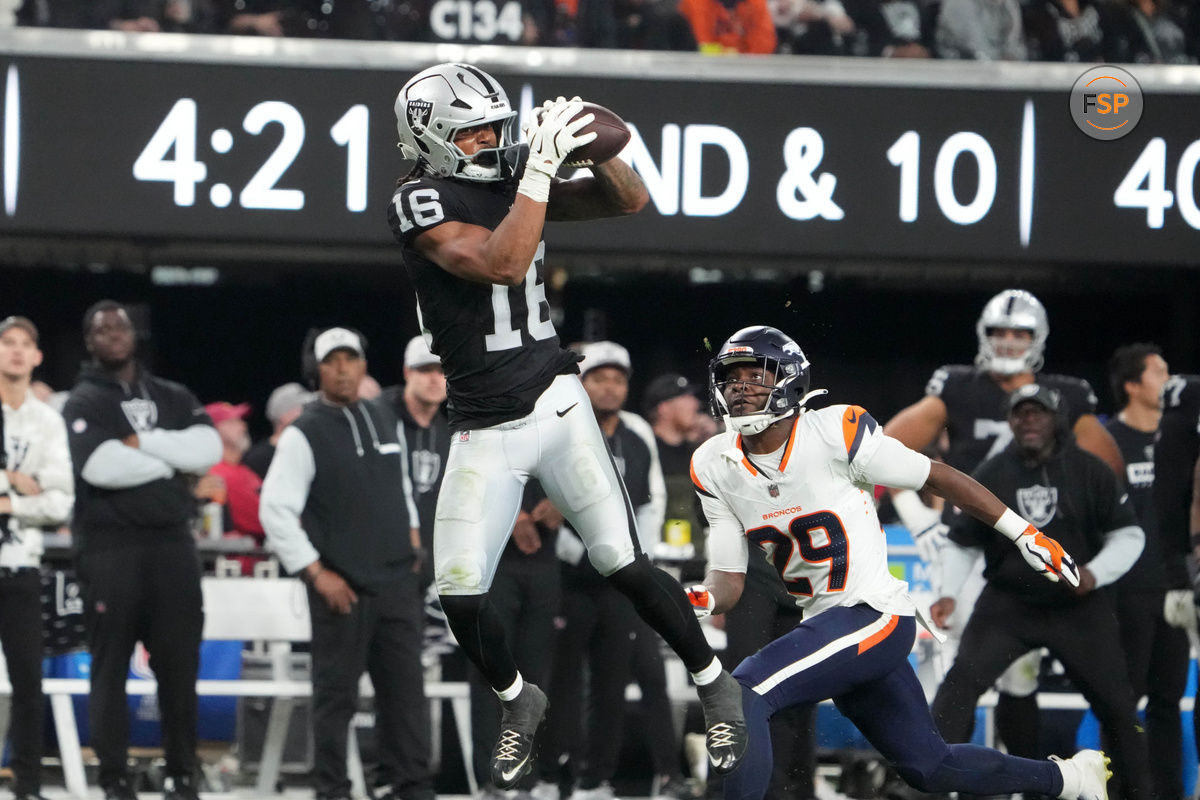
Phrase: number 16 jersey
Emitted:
{"points": [[811, 510], [497, 343]]}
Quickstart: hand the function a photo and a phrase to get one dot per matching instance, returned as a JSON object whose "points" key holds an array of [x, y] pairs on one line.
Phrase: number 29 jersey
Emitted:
{"points": [[497, 343], [813, 515]]}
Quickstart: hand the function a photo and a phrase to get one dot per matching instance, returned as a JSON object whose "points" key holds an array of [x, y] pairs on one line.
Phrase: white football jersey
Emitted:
{"points": [[811, 510]]}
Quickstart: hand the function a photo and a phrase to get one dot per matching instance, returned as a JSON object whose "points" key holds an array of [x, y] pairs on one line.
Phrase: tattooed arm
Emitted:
{"points": [[612, 190]]}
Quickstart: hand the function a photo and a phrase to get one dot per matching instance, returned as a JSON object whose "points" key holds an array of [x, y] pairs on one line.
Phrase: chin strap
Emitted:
{"points": [[759, 421]]}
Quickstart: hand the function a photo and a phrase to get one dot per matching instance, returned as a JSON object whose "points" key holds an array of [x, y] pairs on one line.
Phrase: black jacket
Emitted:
{"points": [[102, 408], [1073, 497]]}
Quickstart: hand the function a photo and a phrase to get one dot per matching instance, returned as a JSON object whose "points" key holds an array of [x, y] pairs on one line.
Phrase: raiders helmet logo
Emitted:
{"points": [[419, 112], [1038, 504], [142, 414]]}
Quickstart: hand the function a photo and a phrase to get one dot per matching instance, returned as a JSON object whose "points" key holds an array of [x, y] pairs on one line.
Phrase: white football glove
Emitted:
{"points": [[924, 524], [1179, 609], [701, 599], [1047, 556], [551, 140]]}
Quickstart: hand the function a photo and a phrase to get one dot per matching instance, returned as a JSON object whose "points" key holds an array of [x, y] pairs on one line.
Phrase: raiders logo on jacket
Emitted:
{"points": [[497, 343], [1073, 498]]}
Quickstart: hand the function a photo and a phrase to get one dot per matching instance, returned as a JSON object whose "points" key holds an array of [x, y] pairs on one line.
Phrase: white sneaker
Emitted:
{"points": [[602, 792], [1085, 775], [545, 790]]}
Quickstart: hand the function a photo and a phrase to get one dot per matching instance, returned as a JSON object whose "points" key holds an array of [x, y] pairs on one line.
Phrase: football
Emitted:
{"points": [[612, 134]]}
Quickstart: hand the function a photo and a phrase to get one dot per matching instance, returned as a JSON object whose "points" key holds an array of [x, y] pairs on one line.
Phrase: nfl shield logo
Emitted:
{"points": [[419, 112], [773, 490], [1038, 504]]}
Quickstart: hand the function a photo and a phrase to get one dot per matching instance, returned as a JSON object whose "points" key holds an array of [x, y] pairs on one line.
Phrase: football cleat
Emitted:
{"points": [[1085, 775], [513, 756], [725, 724]]}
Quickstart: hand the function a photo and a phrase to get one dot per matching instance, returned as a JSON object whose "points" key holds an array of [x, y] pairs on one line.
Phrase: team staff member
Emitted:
{"points": [[1074, 497], [419, 406], [1157, 652], [136, 441], [469, 218], [337, 507], [36, 489]]}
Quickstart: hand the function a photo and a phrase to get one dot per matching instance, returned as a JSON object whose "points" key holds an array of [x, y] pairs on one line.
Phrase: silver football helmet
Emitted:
{"points": [[1018, 309], [438, 102]]}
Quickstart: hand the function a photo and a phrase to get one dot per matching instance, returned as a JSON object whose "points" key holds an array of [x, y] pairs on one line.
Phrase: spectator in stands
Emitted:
{"points": [[37, 489], [419, 405], [812, 27], [140, 16], [982, 30], [1149, 32], [1065, 30], [242, 484], [892, 28], [652, 25], [136, 440], [283, 406], [338, 510], [730, 26]]}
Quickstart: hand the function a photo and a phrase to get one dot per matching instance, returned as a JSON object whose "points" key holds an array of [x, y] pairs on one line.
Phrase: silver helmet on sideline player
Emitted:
{"points": [[438, 102], [1012, 309], [785, 372]]}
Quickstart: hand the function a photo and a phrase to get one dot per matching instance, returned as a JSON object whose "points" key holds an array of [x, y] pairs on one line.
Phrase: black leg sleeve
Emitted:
{"points": [[661, 602], [480, 633]]}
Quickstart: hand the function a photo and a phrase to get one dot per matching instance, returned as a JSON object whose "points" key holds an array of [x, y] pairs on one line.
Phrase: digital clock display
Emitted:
{"points": [[256, 152]]}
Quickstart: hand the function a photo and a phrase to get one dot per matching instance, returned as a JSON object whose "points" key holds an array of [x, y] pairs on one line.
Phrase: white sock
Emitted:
{"points": [[1072, 782], [512, 691], [709, 674]]}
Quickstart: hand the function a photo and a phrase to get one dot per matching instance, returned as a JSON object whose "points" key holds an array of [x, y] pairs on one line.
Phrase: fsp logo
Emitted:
{"points": [[1106, 102]]}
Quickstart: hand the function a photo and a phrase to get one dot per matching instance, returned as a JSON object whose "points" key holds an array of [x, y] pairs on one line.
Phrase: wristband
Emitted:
{"points": [[535, 184], [908, 506], [1013, 525]]}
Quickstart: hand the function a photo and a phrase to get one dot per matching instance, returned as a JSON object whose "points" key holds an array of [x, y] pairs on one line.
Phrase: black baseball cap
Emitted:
{"points": [[1047, 398], [666, 387]]}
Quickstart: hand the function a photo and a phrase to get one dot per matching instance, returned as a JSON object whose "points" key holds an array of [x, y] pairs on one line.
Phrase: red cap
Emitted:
{"points": [[224, 411]]}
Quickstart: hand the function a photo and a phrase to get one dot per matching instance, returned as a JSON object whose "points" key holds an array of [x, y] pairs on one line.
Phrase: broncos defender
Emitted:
{"points": [[799, 486], [469, 220]]}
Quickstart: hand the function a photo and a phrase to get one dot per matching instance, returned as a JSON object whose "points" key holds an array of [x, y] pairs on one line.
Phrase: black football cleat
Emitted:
{"points": [[513, 756], [725, 724]]}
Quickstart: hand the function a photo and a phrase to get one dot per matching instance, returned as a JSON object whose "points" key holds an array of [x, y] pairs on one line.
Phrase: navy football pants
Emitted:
{"points": [[859, 657]]}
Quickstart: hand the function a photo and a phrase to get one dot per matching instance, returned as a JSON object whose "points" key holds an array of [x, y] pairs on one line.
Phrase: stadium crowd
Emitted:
{"points": [[1077, 31]]}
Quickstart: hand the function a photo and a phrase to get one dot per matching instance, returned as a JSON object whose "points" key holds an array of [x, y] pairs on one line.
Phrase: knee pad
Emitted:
{"points": [[582, 478], [1021, 677], [460, 573], [608, 558]]}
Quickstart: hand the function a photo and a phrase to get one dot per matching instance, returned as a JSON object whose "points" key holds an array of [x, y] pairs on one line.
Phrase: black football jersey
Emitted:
{"points": [[975, 418], [497, 343], [1137, 448], [1175, 455]]}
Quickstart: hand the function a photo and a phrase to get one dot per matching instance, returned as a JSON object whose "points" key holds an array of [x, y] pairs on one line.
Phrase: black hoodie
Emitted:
{"points": [[102, 408]]}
